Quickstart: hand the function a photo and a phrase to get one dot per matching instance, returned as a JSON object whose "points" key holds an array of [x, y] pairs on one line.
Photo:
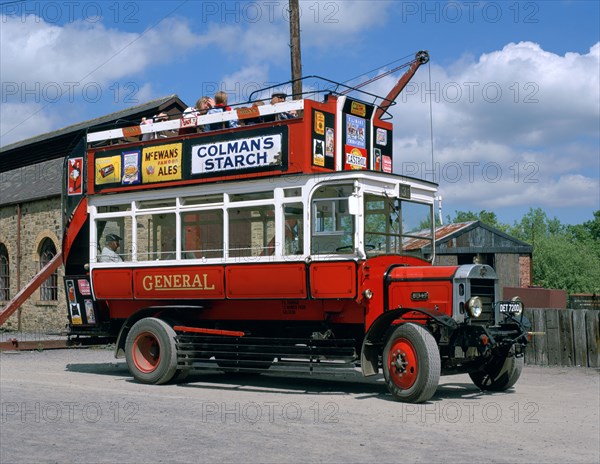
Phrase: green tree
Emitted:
{"points": [[564, 256], [560, 262], [535, 225], [486, 217], [587, 233]]}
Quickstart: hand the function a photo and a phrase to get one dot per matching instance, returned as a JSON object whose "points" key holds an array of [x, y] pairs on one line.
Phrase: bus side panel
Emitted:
{"points": [[333, 280], [205, 282], [112, 284], [266, 281]]}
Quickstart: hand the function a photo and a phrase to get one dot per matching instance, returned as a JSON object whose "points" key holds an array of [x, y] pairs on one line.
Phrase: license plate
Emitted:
{"points": [[510, 307]]}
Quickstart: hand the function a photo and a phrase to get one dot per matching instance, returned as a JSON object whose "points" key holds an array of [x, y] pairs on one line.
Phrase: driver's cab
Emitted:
{"points": [[365, 219]]}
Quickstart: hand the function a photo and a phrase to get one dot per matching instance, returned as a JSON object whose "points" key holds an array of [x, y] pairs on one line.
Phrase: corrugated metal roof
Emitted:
{"points": [[440, 233], [447, 235], [449, 229]]}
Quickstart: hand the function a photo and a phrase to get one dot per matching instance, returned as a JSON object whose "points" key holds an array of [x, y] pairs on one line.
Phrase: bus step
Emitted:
{"points": [[263, 353]]}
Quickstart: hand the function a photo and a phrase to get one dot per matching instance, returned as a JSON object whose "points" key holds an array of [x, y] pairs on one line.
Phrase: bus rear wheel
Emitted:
{"points": [[411, 364], [151, 352]]}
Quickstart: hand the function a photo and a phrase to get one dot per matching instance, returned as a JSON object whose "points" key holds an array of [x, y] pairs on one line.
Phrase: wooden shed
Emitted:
{"points": [[474, 241]]}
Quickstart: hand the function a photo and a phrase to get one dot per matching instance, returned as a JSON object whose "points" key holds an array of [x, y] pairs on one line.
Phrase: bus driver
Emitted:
{"points": [[109, 252]]}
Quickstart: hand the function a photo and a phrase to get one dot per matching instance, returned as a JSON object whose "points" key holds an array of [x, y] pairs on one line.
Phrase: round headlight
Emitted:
{"points": [[474, 306], [517, 300]]}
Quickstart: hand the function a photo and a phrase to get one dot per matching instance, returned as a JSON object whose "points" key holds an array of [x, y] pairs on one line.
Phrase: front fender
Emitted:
{"points": [[371, 347]]}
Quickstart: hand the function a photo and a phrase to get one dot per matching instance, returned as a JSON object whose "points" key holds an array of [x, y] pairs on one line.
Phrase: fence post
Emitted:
{"points": [[541, 341], [565, 321], [580, 338], [552, 337], [530, 350], [593, 334]]}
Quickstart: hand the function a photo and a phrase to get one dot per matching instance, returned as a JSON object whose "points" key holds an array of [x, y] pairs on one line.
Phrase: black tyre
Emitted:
{"points": [[181, 375], [151, 352], [411, 364], [500, 375]]}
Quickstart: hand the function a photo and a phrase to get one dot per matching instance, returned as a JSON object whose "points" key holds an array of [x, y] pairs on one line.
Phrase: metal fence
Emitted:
{"points": [[584, 301]]}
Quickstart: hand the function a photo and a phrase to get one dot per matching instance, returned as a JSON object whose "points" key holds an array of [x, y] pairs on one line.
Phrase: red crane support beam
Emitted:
{"points": [[31, 287], [421, 57]]}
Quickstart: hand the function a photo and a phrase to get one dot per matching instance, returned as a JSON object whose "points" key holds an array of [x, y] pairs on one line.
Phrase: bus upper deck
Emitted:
{"points": [[315, 186]]}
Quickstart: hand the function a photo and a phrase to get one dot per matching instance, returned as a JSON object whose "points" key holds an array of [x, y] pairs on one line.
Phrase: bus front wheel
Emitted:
{"points": [[411, 364], [151, 352], [499, 375]]}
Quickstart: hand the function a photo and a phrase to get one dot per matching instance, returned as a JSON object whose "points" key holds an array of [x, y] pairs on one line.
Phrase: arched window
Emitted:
{"points": [[4, 274], [49, 289]]}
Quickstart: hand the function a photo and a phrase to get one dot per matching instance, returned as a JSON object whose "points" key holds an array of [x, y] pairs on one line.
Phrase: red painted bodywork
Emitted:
{"points": [[77, 221], [332, 291], [266, 281]]}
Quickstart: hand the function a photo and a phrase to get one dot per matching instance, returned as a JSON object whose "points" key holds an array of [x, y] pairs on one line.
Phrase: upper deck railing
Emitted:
{"points": [[316, 86], [241, 113]]}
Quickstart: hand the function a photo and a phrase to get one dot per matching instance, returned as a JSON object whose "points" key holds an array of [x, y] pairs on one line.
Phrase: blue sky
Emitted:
{"points": [[514, 91]]}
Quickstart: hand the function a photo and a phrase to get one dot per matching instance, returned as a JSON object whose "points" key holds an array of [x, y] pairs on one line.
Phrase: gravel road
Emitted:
{"points": [[81, 405]]}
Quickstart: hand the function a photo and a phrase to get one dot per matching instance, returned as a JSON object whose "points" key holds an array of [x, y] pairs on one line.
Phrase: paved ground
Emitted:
{"points": [[81, 405]]}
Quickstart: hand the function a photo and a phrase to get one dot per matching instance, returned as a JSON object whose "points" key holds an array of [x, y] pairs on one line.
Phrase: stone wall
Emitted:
{"points": [[40, 219]]}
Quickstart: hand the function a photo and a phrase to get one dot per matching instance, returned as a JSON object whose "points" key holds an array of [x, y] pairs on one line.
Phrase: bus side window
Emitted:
{"points": [[155, 236], [333, 226], [294, 227], [251, 230], [120, 227], [202, 234]]}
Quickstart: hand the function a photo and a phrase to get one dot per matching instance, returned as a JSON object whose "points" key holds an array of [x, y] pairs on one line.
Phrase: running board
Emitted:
{"points": [[251, 354]]}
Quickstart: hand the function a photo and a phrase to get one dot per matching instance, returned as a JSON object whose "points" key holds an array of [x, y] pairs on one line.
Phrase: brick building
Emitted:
{"points": [[30, 213]]}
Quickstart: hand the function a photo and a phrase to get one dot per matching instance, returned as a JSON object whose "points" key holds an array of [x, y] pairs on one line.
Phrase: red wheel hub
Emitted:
{"points": [[146, 352], [402, 363]]}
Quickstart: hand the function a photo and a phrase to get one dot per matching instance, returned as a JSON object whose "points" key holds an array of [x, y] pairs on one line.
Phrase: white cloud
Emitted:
{"points": [[538, 142], [245, 81], [35, 53], [253, 43], [43, 65], [326, 24], [19, 121]]}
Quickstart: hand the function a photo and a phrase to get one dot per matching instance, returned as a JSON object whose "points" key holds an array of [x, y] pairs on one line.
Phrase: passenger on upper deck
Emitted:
{"points": [[280, 97], [219, 107], [258, 119], [156, 118], [202, 106]]}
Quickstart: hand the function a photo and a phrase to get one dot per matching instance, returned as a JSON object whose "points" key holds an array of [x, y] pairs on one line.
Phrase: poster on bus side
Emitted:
{"points": [[237, 155], [75, 186], [356, 131], [323, 139], [108, 170], [161, 163]]}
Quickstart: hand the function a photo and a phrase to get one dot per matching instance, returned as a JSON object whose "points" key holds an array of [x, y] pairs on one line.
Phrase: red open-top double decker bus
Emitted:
{"points": [[281, 244]]}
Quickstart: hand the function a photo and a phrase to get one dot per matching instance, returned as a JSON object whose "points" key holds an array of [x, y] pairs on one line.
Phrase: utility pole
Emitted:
{"points": [[295, 48]]}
